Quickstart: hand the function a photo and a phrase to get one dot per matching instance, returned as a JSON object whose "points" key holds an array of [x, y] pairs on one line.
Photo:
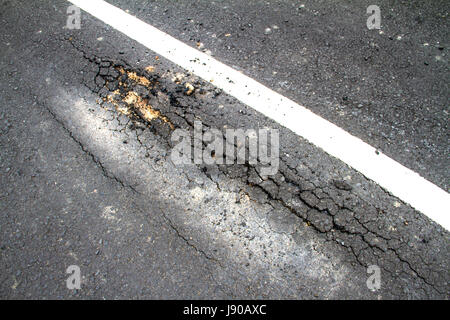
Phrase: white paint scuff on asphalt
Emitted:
{"points": [[386, 172]]}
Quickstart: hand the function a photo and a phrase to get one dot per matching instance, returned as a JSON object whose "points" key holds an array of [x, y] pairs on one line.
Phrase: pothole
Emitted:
{"points": [[130, 91]]}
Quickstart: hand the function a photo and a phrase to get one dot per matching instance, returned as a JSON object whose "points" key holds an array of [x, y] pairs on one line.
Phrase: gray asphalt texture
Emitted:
{"points": [[391, 93], [84, 184]]}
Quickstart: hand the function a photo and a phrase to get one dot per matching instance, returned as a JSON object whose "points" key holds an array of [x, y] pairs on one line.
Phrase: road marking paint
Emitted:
{"points": [[386, 172]]}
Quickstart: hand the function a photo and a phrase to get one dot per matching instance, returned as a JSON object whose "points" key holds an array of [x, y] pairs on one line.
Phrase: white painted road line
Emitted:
{"points": [[386, 172]]}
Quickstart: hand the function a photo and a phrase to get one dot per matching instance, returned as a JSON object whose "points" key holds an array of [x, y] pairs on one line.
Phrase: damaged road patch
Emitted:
{"points": [[129, 92], [345, 216]]}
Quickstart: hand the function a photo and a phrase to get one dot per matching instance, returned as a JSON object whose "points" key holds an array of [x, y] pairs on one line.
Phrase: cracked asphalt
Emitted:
{"points": [[87, 180]]}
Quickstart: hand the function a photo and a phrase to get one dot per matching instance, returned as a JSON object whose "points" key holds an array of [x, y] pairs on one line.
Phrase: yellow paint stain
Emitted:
{"points": [[110, 98], [190, 88], [138, 79], [178, 77], [135, 103], [123, 110], [145, 110], [131, 98]]}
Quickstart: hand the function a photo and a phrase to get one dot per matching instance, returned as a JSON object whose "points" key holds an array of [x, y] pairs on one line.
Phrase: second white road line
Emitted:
{"points": [[386, 172]]}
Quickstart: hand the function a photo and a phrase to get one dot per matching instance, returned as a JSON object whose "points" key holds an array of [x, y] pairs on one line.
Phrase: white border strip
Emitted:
{"points": [[389, 174]]}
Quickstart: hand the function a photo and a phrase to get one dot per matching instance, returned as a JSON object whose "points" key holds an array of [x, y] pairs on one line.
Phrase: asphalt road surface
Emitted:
{"points": [[87, 177]]}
